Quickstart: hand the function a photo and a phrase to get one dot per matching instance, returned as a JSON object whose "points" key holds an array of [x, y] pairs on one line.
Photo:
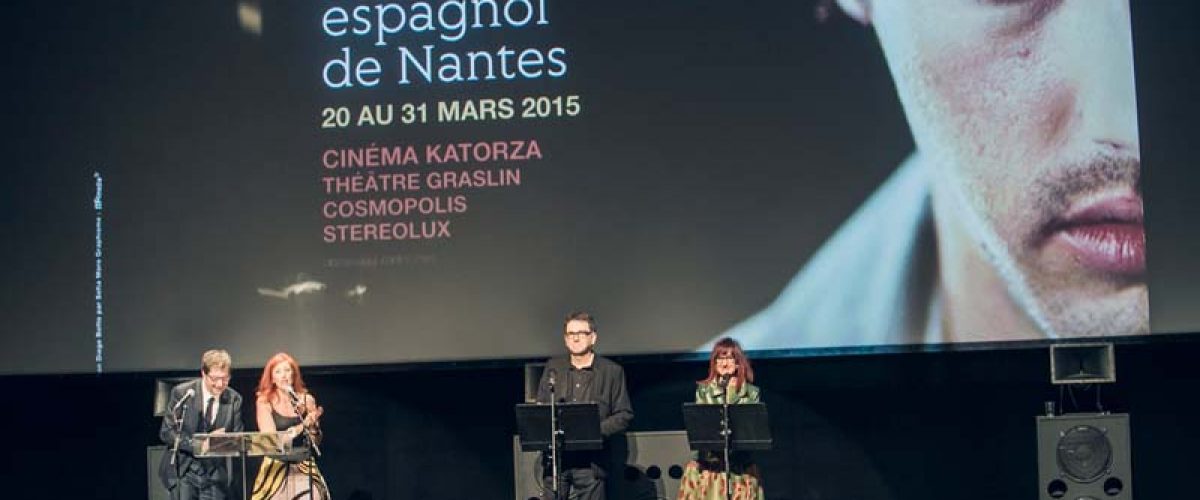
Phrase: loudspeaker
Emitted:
{"points": [[652, 469], [533, 376], [1092, 363], [1084, 457], [154, 487], [162, 392]]}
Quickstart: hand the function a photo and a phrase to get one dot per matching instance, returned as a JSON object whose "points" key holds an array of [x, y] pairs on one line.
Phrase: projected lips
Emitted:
{"points": [[1107, 235]]}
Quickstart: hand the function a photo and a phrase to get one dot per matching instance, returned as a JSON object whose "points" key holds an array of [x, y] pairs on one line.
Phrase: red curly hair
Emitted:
{"points": [[266, 386]]}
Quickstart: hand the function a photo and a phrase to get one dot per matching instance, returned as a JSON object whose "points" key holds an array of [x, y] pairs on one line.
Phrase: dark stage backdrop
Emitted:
{"points": [[185, 175], [915, 426]]}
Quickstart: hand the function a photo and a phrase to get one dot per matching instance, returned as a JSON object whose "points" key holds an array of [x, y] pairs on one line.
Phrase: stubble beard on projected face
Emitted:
{"points": [[1024, 114]]}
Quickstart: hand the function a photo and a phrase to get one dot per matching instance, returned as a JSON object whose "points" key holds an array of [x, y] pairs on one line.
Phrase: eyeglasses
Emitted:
{"points": [[580, 333], [217, 379]]}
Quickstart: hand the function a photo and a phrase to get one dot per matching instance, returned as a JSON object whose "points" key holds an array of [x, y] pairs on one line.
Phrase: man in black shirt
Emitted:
{"points": [[582, 377]]}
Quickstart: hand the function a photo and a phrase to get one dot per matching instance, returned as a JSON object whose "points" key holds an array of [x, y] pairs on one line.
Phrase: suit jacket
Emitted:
{"points": [[229, 416]]}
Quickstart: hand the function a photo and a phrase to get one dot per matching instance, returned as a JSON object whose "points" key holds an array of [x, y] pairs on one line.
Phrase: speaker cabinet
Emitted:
{"points": [[154, 487], [1092, 363], [533, 375], [654, 463], [1084, 457]]}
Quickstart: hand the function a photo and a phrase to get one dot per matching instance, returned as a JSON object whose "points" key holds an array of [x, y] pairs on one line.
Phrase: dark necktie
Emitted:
{"points": [[208, 413]]}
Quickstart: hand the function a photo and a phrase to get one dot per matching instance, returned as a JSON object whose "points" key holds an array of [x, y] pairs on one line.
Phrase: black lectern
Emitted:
{"points": [[726, 428], [559, 427]]}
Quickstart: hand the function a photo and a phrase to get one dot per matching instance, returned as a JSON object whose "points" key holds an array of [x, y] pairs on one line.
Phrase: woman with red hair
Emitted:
{"points": [[729, 381], [284, 404]]}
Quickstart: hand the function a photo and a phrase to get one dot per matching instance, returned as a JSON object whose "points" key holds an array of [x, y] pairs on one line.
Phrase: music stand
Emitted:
{"points": [[574, 426], [242, 445], [726, 428]]}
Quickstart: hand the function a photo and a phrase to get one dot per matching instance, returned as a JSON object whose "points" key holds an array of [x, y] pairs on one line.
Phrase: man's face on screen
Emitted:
{"points": [[1025, 112]]}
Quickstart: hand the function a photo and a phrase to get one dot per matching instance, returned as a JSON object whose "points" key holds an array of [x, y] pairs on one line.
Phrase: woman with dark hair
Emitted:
{"points": [[729, 381], [284, 404]]}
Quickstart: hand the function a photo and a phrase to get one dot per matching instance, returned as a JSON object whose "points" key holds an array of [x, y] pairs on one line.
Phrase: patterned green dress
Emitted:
{"points": [[704, 477]]}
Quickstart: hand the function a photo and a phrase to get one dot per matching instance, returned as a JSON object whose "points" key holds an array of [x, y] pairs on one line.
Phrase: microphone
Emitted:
{"points": [[179, 422], [723, 382], [186, 396], [722, 387], [550, 378], [290, 392]]}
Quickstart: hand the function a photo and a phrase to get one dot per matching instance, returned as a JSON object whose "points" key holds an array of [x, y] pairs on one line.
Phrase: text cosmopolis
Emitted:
{"points": [[412, 35]]}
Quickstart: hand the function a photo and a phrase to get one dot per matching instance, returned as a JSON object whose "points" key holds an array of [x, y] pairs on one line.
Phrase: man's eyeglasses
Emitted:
{"points": [[217, 379], [580, 333]]}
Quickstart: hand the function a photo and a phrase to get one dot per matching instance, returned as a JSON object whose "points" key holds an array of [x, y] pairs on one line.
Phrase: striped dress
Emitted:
{"points": [[285, 479]]}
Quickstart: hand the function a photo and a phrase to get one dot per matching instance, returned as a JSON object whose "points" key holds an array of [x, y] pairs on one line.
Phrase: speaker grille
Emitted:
{"points": [[1084, 453]]}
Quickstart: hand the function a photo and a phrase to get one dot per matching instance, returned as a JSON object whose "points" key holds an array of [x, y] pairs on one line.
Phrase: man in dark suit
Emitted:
{"points": [[204, 405], [582, 377]]}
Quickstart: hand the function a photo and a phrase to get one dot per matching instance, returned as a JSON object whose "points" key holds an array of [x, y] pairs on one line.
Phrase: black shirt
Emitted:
{"points": [[602, 383], [578, 387]]}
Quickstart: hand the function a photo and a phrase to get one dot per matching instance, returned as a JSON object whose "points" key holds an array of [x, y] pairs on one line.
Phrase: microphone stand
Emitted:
{"points": [[554, 433], [302, 410], [178, 430], [726, 433], [177, 416]]}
